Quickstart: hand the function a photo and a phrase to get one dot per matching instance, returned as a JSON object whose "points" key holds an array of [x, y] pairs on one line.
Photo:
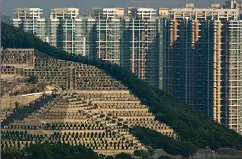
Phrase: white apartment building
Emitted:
{"points": [[65, 29], [163, 12], [109, 34], [96, 12], [30, 20], [24, 13], [212, 13], [142, 13], [107, 13], [89, 34], [64, 13]]}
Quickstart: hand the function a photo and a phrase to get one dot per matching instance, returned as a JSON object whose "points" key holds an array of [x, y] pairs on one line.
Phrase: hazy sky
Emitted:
{"points": [[7, 6]]}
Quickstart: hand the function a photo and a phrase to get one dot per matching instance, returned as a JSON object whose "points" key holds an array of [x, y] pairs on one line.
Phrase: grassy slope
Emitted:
{"points": [[191, 126]]}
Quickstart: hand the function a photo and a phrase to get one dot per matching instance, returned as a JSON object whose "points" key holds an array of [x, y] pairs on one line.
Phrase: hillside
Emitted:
{"points": [[92, 109], [193, 128]]}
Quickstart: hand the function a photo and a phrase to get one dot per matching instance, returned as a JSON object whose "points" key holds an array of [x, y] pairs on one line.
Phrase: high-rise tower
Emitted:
{"points": [[202, 61], [65, 30], [142, 52], [30, 20]]}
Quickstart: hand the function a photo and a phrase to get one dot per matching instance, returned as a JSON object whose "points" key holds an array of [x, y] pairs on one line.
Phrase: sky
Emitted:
{"points": [[7, 6]]}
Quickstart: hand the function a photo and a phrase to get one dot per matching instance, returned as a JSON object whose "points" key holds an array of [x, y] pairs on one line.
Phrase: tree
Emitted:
{"points": [[165, 157], [124, 156], [60, 151], [11, 153], [33, 79], [156, 140], [141, 153]]}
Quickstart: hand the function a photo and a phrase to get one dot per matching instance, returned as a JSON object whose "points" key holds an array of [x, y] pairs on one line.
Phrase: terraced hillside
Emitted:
{"points": [[93, 109]]}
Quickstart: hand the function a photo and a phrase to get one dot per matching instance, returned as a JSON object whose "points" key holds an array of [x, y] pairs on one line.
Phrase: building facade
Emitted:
{"points": [[233, 107], [31, 20], [89, 34], [141, 49], [142, 13], [106, 13], [109, 34], [65, 30], [202, 62]]}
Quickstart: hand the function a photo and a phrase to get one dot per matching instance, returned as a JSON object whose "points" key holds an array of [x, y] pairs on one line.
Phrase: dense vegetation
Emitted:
{"points": [[32, 79], [57, 151], [156, 140], [47, 151], [194, 129]]}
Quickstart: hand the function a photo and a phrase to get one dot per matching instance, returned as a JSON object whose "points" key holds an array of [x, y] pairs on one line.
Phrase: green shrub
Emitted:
{"points": [[33, 79], [123, 156]]}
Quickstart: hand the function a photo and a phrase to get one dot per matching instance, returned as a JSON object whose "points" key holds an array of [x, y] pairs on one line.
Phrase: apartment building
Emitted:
{"points": [[142, 13], [202, 61], [234, 4], [109, 34], [65, 30], [64, 13], [113, 13], [233, 108], [203, 13], [106, 13], [146, 50], [163, 12], [96, 12], [142, 52], [89, 34], [31, 20]]}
